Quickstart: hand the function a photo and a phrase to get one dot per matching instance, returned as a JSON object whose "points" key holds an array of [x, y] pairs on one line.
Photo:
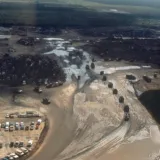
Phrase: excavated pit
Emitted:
{"points": [[151, 101]]}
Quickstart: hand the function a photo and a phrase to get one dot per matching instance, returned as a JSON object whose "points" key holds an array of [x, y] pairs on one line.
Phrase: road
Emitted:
{"points": [[60, 123], [61, 133]]}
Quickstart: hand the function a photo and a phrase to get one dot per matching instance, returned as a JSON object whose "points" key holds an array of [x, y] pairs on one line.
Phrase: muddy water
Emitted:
{"points": [[138, 150]]}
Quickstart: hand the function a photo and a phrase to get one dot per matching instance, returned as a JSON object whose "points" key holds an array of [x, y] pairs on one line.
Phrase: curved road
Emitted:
{"points": [[60, 124]]}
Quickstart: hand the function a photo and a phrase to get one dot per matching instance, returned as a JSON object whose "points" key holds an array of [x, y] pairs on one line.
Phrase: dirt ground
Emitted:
{"points": [[89, 123]]}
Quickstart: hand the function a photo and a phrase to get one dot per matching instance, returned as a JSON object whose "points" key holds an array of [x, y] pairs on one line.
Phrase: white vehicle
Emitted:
{"points": [[24, 150], [7, 124], [39, 121], [11, 128], [24, 82], [30, 142], [20, 91], [7, 116], [14, 156], [19, 152], [40, 90], [17, 123], [6, 128]]}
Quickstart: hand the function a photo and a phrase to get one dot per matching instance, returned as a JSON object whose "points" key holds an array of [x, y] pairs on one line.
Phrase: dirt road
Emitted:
{"points": [[61, 122], [106, 143]]}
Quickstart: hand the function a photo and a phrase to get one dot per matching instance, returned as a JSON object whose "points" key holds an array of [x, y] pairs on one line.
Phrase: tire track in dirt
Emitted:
{"points": [[106, 143]]}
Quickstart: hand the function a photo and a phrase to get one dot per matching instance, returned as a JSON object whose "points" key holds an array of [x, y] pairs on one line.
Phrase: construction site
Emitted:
{"points": [[63, 102]]}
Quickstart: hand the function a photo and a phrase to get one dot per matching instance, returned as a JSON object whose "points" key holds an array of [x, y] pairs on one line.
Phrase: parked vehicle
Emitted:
{"points": [[37, 127], [18, 91], [16, 144], [46, 101], [11, 144], [22, 127], [1, 145], [11, 128], [39, 121], [14, 156], [7, 116], [32, 127], [27, 128], [32, 123], [38, 89], [21, 144], [7, 124], [11, 116], [3, 125], [30, 142], [6, 128], [24, 150], [19, 152], [17, 126]]}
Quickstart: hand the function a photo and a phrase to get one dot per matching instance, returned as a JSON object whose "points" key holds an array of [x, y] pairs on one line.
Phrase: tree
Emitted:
{"points": [[115, 91], [121, 99], [92, 65], [110, 85], [87, 67], [104, 78]]}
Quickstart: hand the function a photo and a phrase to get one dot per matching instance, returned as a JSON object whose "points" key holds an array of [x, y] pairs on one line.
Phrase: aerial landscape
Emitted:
{"points": [[80, 79]]}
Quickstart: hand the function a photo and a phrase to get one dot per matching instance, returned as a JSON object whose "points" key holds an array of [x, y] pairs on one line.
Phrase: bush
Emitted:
{"points": [[110, 85], [104, 78], [92, 65], [115, 91], [121, 99], [31, 68], [87, 67]]}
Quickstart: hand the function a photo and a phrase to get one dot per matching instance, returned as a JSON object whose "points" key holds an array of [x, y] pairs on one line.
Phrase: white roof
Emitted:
{"points": [[39, 120], [24, 149], [15, 156], [12, 154], [18, 150], [30, 141]]}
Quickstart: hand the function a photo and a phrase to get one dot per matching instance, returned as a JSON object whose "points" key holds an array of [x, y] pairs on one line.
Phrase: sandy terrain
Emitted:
{"points": [[88, 123]]}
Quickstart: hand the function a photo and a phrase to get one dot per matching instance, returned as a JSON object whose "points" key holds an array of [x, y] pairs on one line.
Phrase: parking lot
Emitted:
{"points": [[19, 133]]}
